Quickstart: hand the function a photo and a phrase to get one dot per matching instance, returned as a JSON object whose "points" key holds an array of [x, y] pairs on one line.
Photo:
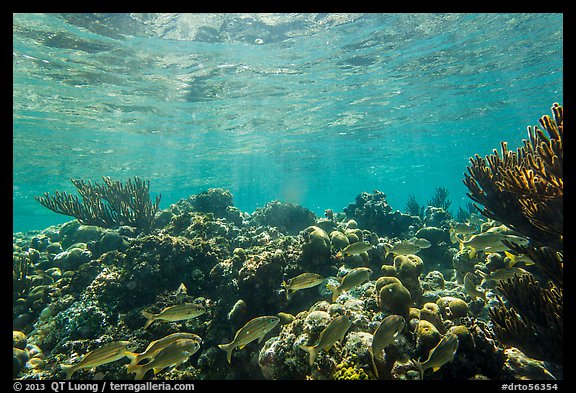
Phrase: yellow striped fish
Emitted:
{"points": [[179, 312], [156, 346], [354, 278], [170, 356], [302, 281], [254, 329], [354, 249], [439, 355], [385, 335], [333, 332], [471, 289], [107, 353]]}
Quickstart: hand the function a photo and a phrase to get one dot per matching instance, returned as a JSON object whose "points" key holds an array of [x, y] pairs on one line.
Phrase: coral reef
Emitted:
{"points": [[372, 212], [78, 287], [440, 199], [287, 217]]}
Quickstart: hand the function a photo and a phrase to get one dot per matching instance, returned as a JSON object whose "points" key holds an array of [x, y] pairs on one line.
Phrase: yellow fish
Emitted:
{"points": [[489, 242], [107, 353], [402, 248], [385, 335], [354, 278], [471, 289], [157, 345], [464, 229], [170, 356], [181, 293], [179, 312], [354, 249], [421, 242], [302, 281], [254, 329], [501, 274], [475, 219], [514, 259], [333, 332], [439, 355]]}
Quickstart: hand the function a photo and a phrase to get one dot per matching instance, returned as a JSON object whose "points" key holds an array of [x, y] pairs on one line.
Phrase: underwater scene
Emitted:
{"points": [[288, 196]]}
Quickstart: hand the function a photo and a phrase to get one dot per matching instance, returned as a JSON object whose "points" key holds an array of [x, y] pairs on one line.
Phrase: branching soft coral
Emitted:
{"points": [[524, 189]]}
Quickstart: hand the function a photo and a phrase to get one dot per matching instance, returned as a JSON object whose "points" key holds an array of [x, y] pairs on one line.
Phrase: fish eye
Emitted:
{"points": [[131, 347]]}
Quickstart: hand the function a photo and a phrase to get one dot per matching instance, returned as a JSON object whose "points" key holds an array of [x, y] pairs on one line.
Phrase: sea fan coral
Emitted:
{"points": [[109, 206], [524, 189]]}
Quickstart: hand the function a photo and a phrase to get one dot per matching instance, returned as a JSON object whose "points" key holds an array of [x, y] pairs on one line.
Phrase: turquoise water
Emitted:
{"points": [[305, 108]]}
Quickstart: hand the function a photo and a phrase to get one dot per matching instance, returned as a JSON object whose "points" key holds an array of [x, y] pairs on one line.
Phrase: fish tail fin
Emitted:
{"points": [[373, 362], [512, 258], [285, 286], [459, 241], [140, 371], [149, 318], [134, 359], [312, 350], [483, 275], [335, 291], [419, 367], [228, 349], [131, 367], [69, 369]]}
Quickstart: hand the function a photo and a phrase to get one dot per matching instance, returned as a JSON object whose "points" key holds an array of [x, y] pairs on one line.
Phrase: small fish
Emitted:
{"points": [[481, 240], [501, 274], [514, 259], [181, 293], [107, 353], [475, 219], [385, 335], [471, 289], [440, 355], [502, 247], [402, 248], [302, 281], [179, 312], [354, 249], [354, 278], [463, 229], [254, 329], [156, 346], [172, 355], [421, 242], [333, 332], [503, 229]]}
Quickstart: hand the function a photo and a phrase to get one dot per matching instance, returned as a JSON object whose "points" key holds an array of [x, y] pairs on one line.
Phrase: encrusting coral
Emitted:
{"points": [[109, 206]]}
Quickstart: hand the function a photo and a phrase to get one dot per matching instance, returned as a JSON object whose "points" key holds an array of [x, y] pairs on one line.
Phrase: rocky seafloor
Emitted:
{"points": [[78, 287]]}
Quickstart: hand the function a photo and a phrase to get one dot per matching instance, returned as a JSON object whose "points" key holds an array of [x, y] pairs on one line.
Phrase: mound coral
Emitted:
{"points": [[372, 212]]}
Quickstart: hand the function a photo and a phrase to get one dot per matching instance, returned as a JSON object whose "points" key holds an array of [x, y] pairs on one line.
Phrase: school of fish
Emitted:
{"points": [[176, 348]]}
